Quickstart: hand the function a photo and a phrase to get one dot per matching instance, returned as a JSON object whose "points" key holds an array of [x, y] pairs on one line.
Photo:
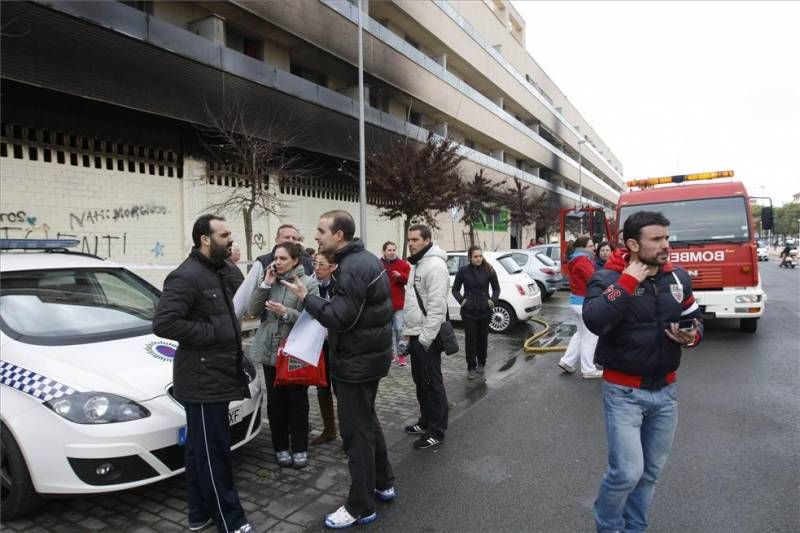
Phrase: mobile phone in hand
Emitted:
{"points": [[686, 325]]}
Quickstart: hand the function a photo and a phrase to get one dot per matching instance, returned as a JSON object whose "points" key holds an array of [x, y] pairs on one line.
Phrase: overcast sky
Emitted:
{"points": [[681, 87]]}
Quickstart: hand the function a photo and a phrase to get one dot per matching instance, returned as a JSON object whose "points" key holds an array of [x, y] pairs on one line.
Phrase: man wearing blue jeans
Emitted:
{"points": [[642, 309]]}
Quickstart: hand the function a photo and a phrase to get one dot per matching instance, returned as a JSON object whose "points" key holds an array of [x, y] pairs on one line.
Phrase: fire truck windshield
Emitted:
{"points": [[702, 221]]}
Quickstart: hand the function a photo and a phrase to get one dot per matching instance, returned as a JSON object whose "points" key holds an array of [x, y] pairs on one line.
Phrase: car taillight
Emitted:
{"points": [[548, 271], [520, 288]]}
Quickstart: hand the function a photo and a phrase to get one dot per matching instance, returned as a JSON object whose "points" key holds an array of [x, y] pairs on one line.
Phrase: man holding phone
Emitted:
{"points": [[643, 311]]}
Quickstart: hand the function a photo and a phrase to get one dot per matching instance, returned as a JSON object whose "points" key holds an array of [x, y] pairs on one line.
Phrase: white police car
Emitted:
{"points": [[85, 386]]}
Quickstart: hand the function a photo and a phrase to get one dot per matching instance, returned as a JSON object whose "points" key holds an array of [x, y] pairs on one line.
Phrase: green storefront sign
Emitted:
{"points": [[500, 221]]}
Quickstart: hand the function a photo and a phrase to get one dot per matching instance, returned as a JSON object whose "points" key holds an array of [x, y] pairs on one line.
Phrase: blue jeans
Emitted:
{"points": [[398, 345], [640, 425]]}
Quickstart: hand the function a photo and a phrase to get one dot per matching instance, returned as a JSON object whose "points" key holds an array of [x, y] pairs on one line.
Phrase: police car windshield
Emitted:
{"points": [[703, 221], [72, 306]]}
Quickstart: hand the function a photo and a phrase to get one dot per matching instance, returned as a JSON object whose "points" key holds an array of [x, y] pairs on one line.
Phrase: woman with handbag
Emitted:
{"points": [[287, 406], [324, 266], [476, 307]]}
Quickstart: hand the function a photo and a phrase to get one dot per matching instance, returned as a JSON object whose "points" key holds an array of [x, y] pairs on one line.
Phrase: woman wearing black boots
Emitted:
{"points": [[476, 307]]}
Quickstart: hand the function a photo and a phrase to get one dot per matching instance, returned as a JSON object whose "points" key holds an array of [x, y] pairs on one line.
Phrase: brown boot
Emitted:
{"points": [[328, 419]]}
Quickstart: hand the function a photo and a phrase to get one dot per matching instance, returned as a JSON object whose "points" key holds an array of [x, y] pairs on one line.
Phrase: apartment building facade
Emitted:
{"points": [[102, 102]]}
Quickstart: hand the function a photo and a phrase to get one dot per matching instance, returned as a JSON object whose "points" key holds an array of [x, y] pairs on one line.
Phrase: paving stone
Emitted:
{"points": [[92, 524], [275, 499]]}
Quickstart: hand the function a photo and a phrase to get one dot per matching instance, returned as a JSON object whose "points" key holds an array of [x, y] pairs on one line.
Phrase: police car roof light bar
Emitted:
{"points": [[38, 244], [646, 183]]}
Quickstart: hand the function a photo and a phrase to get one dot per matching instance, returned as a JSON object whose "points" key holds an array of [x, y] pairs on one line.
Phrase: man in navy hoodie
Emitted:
{"points": [[634, 306]]}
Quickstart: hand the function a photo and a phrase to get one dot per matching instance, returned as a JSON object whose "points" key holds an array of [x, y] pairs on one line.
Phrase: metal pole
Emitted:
{"points": [[580, 171], [362, 169]]}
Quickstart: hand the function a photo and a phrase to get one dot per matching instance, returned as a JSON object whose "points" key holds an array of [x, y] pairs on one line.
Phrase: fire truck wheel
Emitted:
{"points": [[748, 325]]}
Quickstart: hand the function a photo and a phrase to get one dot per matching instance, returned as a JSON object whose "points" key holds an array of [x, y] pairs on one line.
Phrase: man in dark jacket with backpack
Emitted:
{"points": [[643, 310], [208, 372], [358, 318]]}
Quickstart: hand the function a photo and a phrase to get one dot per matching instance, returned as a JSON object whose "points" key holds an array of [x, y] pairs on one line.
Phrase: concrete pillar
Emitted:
{"points": [[212, 28], [499, 101]]}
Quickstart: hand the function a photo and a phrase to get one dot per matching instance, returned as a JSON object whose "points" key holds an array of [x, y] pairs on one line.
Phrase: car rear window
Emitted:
{"points": [[508, 263], [520, 258], [73, 306], [546, 261]]}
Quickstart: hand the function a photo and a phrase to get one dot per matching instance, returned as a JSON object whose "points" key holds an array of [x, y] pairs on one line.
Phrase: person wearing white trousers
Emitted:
{"points": [[581, 346], [583, 342]]}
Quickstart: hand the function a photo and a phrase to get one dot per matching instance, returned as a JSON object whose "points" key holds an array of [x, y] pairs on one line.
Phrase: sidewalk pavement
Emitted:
{"points": [[283, 499]]}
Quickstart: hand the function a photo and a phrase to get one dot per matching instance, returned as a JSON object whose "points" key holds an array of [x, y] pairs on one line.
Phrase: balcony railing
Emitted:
{"points": [[384, 34], [470, 30], [140, 26]]}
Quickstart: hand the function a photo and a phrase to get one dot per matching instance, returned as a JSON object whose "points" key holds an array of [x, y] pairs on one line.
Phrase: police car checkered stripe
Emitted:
{"points": [[29, 382]]}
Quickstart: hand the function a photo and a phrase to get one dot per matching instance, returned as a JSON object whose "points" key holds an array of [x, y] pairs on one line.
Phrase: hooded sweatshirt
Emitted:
{"points": [[430, 279], [581, 267]]}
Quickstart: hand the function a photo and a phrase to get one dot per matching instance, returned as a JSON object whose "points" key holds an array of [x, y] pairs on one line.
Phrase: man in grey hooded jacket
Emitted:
{"points": [[425, 310]]}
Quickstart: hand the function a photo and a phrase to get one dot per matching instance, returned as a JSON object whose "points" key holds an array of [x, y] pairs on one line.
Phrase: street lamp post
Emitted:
{"points": [[362, 172], [580, 170]]}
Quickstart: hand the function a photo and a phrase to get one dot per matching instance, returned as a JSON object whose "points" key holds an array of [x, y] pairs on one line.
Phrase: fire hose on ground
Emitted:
{"points": [[532, 350]]}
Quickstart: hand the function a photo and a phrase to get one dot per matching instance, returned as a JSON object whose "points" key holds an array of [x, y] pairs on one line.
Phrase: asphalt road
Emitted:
{"points": [[528, 455]]}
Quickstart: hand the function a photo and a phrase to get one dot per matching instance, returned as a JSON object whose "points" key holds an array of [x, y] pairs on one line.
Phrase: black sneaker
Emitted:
{"points": [[426, 441], [415, 429]]}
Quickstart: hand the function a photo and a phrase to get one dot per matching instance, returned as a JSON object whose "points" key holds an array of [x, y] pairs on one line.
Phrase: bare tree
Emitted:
{"points": [[478, 198], [525, 207], [414, 181], [252, 158]]}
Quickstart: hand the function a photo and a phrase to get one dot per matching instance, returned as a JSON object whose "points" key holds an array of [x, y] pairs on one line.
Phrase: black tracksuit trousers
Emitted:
{"points": [[363, 442]]}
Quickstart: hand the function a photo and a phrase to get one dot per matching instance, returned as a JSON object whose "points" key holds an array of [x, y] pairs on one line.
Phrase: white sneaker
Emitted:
{"points": [[568, 369], [247, 528], [341, 519], [594, 374]]}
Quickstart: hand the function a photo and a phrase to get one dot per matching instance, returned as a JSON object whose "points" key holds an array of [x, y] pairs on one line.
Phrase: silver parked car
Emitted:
{"points": [[553, 251], [544, 271]]}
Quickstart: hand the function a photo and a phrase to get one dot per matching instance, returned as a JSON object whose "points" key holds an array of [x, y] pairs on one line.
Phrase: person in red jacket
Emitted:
{"points": [[583, 342], [398, 270]]}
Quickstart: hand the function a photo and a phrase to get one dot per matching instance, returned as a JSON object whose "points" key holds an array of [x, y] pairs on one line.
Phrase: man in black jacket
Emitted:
{"points": [[358, 318], [643, 311], [208, 372]]}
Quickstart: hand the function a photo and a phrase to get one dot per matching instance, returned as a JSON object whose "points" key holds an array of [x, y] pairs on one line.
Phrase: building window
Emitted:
{"points": [[141, 5], [415, 118], [309, 74], [243, 44], [469, 143], [378, 99]]}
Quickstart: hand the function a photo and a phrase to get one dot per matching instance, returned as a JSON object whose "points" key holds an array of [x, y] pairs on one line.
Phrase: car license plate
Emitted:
{"points": [[182, 436], [235, 415]]}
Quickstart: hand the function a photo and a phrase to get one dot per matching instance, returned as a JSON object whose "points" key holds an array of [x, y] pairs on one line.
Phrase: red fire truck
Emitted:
{"points": [[711, 237]]}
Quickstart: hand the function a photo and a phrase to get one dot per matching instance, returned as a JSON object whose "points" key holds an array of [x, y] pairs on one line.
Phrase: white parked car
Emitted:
{"points": [[520, 298], [762, 251], [85, 386]]}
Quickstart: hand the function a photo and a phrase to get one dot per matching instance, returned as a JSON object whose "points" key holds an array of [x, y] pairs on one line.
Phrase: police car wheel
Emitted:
{"points": [[17, 496]]}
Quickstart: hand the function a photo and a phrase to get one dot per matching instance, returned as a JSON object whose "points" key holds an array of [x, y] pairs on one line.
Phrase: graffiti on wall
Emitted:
{"points": [[20, 224], [258, 241], [113, 214]]}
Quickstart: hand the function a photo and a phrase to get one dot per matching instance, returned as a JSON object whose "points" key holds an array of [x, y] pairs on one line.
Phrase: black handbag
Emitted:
{"points": [[446, 338]]}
